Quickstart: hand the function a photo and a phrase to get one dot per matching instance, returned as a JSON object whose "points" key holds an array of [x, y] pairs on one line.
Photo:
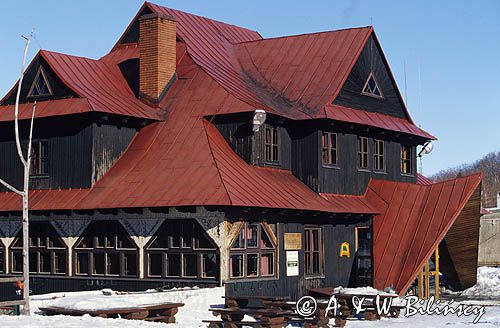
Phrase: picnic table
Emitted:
{"points": [[164, 312], [268, 311]]}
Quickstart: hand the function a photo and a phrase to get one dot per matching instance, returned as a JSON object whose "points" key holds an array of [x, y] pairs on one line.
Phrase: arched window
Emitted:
{"points": [[47, 252], [105, 249], [182, 249], [253, 254]]}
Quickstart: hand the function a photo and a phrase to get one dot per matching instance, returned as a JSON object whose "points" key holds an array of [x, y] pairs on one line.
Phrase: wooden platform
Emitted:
{"points": [[158, 312]]}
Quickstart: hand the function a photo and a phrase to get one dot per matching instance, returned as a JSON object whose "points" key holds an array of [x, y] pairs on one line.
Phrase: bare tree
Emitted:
{"points": [[26, 161], [489, 165]]}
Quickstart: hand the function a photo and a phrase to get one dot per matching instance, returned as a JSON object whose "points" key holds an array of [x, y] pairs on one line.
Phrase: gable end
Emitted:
{"points": [[39, 67], [370, 62]]}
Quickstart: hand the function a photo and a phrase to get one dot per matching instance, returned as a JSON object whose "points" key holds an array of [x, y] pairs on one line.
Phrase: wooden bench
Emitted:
{"points": [[158, 312], [271, 318]]}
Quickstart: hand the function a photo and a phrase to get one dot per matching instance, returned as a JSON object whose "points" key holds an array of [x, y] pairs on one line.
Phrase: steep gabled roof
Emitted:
{"points": [[99, 82], [297, 76], [413, 220], [185, 161]]}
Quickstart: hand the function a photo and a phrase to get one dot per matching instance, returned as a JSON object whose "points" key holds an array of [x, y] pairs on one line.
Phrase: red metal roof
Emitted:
{"points": [[99, 83], [386, 122], [295, 76], [423, 180], [46, 109], [184, 160], [413, 220]]}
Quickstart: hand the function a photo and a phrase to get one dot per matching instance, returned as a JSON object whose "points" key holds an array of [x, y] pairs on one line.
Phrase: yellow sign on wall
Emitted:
{"points": [[344, 250], [293, 241]]}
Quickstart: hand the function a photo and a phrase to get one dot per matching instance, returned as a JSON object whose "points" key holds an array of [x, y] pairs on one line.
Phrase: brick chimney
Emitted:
{"points": [[157, 55]]}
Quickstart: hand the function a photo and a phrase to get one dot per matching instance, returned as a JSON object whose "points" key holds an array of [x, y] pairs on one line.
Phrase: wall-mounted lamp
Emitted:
{"points": [[426, 149], [259, 118]]}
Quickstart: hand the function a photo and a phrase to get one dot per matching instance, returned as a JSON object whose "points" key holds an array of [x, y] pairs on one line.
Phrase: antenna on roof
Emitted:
{"points": [[406, 86]]}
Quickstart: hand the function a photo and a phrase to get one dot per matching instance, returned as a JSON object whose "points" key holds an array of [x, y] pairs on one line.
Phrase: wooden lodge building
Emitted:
{"points": [[198, 153]]}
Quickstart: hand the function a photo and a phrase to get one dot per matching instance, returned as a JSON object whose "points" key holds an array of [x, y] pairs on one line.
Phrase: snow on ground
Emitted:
{"points": [[491, 318], [488, 284], [197, 301]]}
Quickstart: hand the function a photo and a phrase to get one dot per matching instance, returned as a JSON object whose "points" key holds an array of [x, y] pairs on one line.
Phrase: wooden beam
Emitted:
{"points": [[11, 279], [11, 303]]}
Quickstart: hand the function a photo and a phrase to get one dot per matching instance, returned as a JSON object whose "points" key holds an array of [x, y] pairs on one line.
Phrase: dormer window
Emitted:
{"points": [[371, 87], [272, 144], [40, 86]]}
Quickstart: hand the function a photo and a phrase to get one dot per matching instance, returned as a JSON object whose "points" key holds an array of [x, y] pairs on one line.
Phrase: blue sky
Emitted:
{"points": [[451, 50]]}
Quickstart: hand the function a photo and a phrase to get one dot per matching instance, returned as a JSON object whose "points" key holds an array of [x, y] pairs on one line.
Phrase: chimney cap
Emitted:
{"points": [[157, 15]]}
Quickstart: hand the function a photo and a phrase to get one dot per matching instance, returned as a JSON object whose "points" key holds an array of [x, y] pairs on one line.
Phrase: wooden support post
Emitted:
{"points": [[436, 272], [421, 284], [427, 281]]}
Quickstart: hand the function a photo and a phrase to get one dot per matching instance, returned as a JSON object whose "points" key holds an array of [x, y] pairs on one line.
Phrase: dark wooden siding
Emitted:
{"points": [[285, 148], [79, 151], [249, 145], [350, 95], [108, 143], [58, 88], [305, 159], [239, 135], [459, 249], [337, 270], [347, 178], [69, 153]]}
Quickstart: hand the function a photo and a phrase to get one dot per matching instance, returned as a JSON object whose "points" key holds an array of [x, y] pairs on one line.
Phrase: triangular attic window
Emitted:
{"points": [[371, 87], [40, 86]]}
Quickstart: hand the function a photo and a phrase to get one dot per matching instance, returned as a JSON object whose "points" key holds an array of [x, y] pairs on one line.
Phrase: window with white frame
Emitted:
{"points": [[40, 86], [371, 87]]}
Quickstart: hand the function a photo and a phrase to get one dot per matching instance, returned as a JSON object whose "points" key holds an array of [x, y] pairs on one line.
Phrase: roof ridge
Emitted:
{"points": [[207, 124], [67, 55], [306, 34], [200, 16]]}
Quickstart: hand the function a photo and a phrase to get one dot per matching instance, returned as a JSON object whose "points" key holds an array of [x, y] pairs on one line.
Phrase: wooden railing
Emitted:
{"points": [[7, 280]]}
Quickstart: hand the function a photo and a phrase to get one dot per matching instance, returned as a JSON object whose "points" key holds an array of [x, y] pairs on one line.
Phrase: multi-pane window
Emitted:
{"points": [[362, 153], [407, 159], [272, 144], [47, 252], [105, 249], [39, 158], [182, 249], [313, 251], [329, 148], [40, 86], [253, 254], [364, 271], [379, 156], [371, 87]]}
